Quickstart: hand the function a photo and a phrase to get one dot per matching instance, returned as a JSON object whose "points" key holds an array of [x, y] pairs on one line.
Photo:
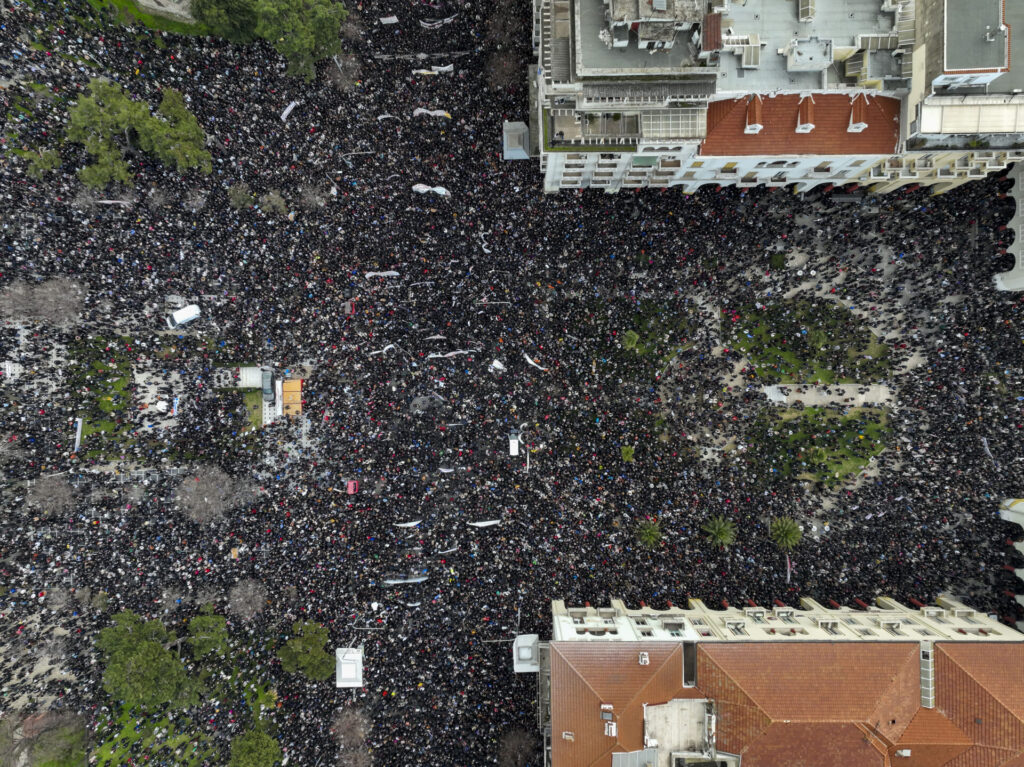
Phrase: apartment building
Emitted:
{"points": [[629, 94], [881, 686]]}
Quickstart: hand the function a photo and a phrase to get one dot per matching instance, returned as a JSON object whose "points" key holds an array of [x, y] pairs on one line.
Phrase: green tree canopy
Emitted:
{"points": [[140, 669], [785, 533], [305, 652], [128, 631], [149, 675], [648, 532], [106, 121], [174, 136], [234, 20], [254, 749], [721, 531], [208, 633], [303, 31]]}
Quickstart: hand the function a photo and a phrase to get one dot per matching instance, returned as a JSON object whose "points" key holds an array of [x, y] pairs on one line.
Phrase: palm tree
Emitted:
{"points": [[648, 532], [721, 531], [786, 534]]}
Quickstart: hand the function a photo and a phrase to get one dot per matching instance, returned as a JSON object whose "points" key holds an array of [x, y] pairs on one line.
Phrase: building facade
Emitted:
{"points": [[628, 94], [886, 685]]}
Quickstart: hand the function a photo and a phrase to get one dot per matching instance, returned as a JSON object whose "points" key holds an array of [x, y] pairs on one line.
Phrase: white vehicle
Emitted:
{"points": [[513, 442], [182, 316]]}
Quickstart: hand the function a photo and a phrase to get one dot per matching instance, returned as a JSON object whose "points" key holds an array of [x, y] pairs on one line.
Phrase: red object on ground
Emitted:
{"points": [[352, 487]]}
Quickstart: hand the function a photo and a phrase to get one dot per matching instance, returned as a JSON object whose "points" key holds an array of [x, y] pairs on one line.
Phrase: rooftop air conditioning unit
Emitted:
{"points": [[645, 659], [904, 752]]}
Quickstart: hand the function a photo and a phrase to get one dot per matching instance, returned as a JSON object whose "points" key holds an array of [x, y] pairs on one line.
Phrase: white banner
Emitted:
{"points": [[432, 112], [288, 110], [527, 358], [438, 190], [388, 19]]}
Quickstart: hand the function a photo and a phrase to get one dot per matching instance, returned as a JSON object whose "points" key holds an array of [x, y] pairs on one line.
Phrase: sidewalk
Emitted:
{"points": [[833, 394]]}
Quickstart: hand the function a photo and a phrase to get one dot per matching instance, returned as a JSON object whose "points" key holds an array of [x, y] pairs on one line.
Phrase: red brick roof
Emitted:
{"points": [[828, 704], [712, 35], [831, 117]]}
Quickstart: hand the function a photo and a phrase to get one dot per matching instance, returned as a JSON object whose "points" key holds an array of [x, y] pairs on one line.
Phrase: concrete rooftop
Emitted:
{"points": [[776, 24]]}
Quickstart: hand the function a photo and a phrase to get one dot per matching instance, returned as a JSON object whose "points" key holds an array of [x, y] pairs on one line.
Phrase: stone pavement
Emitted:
{"points": [[841, 395]]}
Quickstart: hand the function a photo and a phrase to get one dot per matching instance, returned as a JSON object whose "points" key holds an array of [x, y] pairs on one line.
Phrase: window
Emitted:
{"points": [[786, 616], [893, 627], [756, 615], [830, 627], [689, 664], [738, 628]]}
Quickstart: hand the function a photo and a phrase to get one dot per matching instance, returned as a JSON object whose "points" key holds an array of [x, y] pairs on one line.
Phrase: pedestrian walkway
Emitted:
{"points": [[840, 395]]}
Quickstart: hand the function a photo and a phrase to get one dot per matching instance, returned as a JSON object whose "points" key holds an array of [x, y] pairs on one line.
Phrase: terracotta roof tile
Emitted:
{"points": [[831, 117], [805, 743], [823, 703], [981, 756], [585, 675], [933, 741], [931, 726], [712, 35], [823, 681], [980, 688]]}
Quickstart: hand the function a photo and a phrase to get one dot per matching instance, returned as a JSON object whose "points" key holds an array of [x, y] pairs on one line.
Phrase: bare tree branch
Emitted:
{"points": [[209, 493], [51, 495], [58, 301], [350, 728], [246, 599], [517, 749]]}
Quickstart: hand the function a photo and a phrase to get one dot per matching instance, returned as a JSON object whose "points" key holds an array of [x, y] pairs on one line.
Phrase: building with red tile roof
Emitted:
{"points": [[829, 115], [632, 688]]}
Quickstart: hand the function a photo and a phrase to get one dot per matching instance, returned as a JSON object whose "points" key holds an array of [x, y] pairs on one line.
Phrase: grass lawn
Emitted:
{"points": [[253, 399], [806, 342], [128, 13], [159, 742], [101, 373], [818, 444]]}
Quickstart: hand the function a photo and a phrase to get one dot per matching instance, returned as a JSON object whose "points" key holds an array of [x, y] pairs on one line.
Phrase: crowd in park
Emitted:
{"points": [[536, 397]]}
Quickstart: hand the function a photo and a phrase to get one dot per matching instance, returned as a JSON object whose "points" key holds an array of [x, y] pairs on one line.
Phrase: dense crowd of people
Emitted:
{"points": [[492, 310]]}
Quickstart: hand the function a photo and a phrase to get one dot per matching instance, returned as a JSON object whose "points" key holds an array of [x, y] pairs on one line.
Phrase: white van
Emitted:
{"points": [[183, 315], [513, 442]]}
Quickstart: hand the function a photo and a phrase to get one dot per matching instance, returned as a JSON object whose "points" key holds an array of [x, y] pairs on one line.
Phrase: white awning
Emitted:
{"points": [[977, 114]]}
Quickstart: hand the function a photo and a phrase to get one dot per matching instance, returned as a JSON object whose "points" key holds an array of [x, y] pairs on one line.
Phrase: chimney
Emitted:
{"points": [[805, 115], [858, 114], [754, 119]]}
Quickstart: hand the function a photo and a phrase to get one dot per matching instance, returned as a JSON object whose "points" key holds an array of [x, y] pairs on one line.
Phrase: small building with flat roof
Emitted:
{"points": [[515, 141], [348, 667]]}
